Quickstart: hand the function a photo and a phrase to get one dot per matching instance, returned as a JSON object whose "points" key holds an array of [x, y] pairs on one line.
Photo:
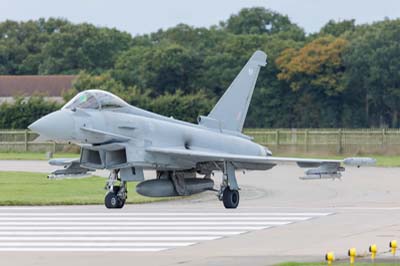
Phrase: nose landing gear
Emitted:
{"points": [[116, 195]]}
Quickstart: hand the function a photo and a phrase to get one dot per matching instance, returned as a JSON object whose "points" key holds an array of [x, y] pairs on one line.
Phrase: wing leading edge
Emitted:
{"points": [[320, 168]]}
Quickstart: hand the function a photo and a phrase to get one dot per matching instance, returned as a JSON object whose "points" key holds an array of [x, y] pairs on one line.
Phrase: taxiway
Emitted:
{"points": [[280, 218]]}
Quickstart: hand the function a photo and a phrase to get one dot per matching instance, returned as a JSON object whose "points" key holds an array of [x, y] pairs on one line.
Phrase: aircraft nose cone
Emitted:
{"points": [[58, 125]]}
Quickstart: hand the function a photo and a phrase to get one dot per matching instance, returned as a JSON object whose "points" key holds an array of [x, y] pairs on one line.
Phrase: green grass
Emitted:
{"points": [[22, 188], [381, 160], [33, 155]]}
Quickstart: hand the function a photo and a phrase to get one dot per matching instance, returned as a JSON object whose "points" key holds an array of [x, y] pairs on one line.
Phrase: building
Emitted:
{"points": [[51, 87]]}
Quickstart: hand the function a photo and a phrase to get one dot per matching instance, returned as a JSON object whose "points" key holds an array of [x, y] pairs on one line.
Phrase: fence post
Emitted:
{"points": [[26, 140], [383, 137], [277, 138], [340, 144], [306, 139]]}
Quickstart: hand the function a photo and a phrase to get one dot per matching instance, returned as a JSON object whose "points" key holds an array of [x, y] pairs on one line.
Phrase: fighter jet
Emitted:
{"points": [[127, 140]]}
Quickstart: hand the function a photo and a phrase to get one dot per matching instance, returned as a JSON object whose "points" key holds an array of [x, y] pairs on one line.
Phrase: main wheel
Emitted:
{"points": [[230, 198], [112, 201]]}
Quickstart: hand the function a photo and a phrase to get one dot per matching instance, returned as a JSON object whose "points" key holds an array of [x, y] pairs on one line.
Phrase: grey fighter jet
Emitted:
{"points": [[126, 140]]}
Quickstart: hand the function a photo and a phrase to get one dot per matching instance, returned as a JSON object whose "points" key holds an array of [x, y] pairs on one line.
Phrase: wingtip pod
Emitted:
{"points": [[359, 161], [259, 57]]}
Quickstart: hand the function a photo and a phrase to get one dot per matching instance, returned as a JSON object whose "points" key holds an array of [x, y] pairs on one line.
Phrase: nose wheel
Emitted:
{"points": [[113, 201]]}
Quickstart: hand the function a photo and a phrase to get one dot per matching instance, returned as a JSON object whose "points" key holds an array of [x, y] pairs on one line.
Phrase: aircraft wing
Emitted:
{"points": [[320, 168]]}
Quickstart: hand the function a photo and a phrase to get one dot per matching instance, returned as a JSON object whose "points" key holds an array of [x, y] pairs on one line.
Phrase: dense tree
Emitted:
{"points": [[315, 73], [165, 68], [345, 75], [24, 112], [317, 65], [337, 28], [259, 20], [181, 106], [77, 47], [56, 46], [373, 70], [20, 47]]}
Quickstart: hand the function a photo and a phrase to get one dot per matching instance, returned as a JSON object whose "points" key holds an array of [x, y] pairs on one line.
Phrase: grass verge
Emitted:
{"points": [[24, 188]]}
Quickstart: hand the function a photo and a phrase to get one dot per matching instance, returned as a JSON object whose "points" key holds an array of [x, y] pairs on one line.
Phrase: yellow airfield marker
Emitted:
{"points": [[330, 257], [352, 254], [373, 249], [393, 246]]}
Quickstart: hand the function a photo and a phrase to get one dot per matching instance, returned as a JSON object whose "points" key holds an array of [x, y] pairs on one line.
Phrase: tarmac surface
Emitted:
{"points": [[280, 218]]}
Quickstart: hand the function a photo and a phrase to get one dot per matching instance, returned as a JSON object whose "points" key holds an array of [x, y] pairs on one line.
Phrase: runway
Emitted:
{"points": [[280, 218]]}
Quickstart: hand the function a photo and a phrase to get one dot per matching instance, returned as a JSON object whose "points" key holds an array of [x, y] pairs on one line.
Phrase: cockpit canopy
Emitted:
{"points": [[95, 99]]}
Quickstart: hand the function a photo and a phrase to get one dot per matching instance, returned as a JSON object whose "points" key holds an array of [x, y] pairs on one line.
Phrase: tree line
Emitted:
{"points": [[345, 75]]}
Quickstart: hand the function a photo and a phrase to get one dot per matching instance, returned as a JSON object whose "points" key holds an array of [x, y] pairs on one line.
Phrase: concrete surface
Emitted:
{"points": [[364, 209]]}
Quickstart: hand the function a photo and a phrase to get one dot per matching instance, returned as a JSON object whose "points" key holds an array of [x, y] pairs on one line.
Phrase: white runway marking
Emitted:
{"points": [[106, 224], [144, 223], [138, 214], [112, 219], [95, 244], [123, 233], [81, 249], [33, 230], [111, 238]]}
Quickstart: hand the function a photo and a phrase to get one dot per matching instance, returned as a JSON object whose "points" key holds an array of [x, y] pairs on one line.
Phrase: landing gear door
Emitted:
{"points": [[132, 174], [135, 151]]}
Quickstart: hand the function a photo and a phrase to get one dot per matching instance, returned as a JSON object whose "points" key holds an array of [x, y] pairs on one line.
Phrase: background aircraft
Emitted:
{"points": [[126, 140]]}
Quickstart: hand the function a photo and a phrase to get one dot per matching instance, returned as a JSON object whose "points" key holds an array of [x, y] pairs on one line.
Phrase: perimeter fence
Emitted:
{"points": [[329, 141], [26, 141], [280, 141]]}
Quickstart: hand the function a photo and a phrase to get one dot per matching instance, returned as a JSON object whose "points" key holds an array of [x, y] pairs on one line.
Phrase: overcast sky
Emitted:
{"points": [[147, 16]]}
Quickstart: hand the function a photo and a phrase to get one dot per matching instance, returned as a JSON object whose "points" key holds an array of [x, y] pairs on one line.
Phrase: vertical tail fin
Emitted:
{"points": [[231, 109]]}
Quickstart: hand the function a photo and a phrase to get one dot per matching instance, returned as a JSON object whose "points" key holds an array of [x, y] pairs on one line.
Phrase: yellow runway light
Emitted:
{"points": [[393, 246], [373, 249], [329, 257], [352, 254]]}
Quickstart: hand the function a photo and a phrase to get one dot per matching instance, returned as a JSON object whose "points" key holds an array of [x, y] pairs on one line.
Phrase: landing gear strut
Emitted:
{"points": [[116, 195], [229, 191]]}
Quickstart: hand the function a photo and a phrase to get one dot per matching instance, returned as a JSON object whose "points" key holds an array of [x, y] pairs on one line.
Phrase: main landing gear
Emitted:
{"points": [[230, 198], [229, 191], [116, 195]]}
